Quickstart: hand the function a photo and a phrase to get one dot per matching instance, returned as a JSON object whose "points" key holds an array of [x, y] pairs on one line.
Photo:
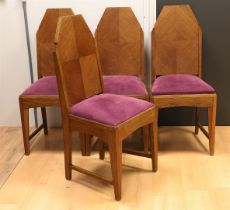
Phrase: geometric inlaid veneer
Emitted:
{"points": [[177, 66], [43, 92], [86, 108]]}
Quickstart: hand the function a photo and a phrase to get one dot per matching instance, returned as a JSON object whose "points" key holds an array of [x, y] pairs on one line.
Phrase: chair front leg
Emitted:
{"points": [[212, 126], [154, 141], [25, 127], [67, 134], [44, 119], [115, 150]]}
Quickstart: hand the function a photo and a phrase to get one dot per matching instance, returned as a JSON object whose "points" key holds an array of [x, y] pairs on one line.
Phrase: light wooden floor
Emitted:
{"points": [[188, 178], [11, 151]]}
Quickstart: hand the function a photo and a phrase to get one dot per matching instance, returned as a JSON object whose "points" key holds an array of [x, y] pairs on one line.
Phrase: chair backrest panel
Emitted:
{"points": [[91, 75], [78, 72], [176, 42], [45, 40], [120, 43]]}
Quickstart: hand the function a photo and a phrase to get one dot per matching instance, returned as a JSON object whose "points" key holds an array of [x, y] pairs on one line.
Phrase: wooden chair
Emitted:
{"points": [[120, 44], [85, 108], [177, 66], [44, 91]]}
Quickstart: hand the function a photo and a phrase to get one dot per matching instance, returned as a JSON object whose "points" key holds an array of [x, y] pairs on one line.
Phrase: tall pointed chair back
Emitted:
{"points": [[176, 42], [80, 76], [120, 43], [45, 40]]}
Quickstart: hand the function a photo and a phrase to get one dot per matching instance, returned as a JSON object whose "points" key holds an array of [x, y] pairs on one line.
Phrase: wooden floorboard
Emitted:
{"points": [[11, 151], [188, 178]]}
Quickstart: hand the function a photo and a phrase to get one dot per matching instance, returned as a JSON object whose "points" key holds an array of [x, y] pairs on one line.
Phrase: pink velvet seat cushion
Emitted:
{"points": [[124, 85], [180, 84], [44, 86], [109, 109]]}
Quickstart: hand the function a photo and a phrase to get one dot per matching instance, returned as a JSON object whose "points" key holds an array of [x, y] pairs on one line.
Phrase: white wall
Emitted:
{"points": [[14, 70]]}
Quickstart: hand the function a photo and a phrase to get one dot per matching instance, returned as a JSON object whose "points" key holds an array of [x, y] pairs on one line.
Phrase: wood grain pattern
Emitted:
{"points": [[193, 100], [46, 66], [120, 43], [176, 49], [45, 40], [91, 75], [176, 42], [212, 125], [76, 59], [11, 151]]}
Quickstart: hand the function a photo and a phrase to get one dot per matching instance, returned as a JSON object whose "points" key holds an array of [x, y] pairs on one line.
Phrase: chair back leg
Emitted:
{"points": [[196, 121], [101, 150], [146, 138], [85, 140], [44, 119]]}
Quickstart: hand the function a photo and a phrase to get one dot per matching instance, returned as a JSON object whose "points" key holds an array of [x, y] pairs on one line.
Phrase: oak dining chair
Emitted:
{"points": [[43, 92], [177, 66], [120, 44], [86, 108]]}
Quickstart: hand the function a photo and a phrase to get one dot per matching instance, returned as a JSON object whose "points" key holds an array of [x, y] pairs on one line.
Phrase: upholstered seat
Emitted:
{"points": [[180, 84], [44, 86], [124, 85], [109, 109]]}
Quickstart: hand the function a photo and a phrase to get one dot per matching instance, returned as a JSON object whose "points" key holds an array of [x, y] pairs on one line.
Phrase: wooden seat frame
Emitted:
{"points": [[79, 77], [169, 57]]}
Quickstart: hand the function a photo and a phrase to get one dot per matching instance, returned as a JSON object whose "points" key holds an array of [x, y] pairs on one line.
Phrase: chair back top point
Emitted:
{"points": [[45, 40]]}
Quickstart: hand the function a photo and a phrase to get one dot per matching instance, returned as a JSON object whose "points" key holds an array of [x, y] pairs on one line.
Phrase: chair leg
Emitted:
{"points": [[146, 138], [101, 150], [88, 144], [25, 128], [212, 126], [196, 121], [67, 133], [85, 140], [154, 142], [115, 149], [44, 119]]}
